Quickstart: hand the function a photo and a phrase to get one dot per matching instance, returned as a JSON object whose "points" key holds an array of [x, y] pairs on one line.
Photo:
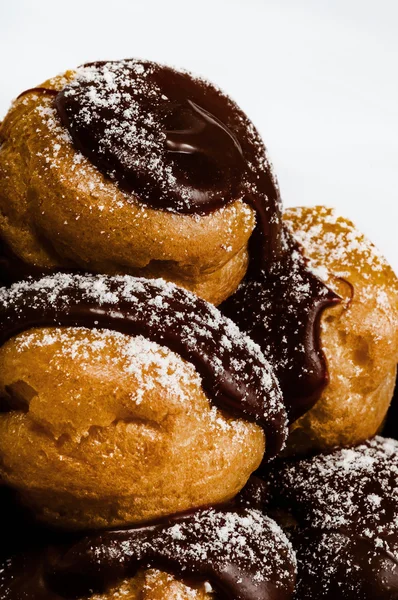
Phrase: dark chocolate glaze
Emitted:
{"points": [[280, 308], [342, 511], [234, 372], [360, 572], [235, 547], [186, 145]]}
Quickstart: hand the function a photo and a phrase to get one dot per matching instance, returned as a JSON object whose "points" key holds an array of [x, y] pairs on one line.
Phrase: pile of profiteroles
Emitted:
{"points": [[193, 382]]}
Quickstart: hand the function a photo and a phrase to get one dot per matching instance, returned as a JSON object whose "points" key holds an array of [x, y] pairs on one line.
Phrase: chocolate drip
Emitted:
{"points": [[280, 309], [235, 374], [242, 553]]}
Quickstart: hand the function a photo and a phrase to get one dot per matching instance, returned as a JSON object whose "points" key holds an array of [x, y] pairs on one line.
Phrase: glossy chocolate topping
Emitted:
{"points": [[234, 372], [176, 142], [179, 144], [345, 505], [241, 552], [280, 308]]}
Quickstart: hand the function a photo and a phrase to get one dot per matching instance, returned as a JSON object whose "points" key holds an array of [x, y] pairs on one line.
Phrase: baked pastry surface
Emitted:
{"points": [[113, 426], [58, 211], [359, 337]]}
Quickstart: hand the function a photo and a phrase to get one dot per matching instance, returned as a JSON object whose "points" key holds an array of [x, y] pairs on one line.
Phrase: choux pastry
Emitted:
{"points": [[132, 410], [165, 408], [359, 336]]}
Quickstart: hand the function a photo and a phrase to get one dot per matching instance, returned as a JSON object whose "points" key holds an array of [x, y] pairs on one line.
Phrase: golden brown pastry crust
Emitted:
{"points": [[107, 429], [359, 337], [156, 585], [57, 210]]}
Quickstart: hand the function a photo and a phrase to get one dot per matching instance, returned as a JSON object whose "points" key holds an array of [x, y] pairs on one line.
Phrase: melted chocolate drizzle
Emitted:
{"points": [[234, 372], [242, 553]]}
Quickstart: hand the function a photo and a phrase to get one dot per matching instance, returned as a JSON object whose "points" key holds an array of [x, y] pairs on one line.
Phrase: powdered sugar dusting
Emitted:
{"points": [[149, 363], [120, 114], [243, 546], [335, 247], [246, 539], [239, 552], [230, 360], [119, 88], [346, 504]]}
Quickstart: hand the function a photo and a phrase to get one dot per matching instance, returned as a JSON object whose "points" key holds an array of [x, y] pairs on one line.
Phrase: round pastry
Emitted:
{"points": [[359, 336], [133, 167], [129, 399], [342, 510], [232, 552]]}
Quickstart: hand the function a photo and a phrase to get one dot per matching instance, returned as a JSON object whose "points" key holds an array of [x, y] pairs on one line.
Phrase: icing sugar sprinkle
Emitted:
{"points": [[119, 87], [346, 503], [243, 542], [146, 361], [203, 331]]}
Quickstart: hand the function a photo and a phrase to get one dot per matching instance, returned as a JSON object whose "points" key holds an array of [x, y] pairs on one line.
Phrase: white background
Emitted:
{"points": [[318, 77]]}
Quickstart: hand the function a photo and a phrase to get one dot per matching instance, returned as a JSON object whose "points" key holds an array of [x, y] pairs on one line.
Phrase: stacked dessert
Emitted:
{"points": [[166, 332]]}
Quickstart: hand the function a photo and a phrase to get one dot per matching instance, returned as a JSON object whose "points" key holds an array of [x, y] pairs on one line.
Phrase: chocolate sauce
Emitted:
{"points": [[38, 90], [188, 148], [280, 308], [345, 509], [235, 547], [175, 142], [234, 372]]}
